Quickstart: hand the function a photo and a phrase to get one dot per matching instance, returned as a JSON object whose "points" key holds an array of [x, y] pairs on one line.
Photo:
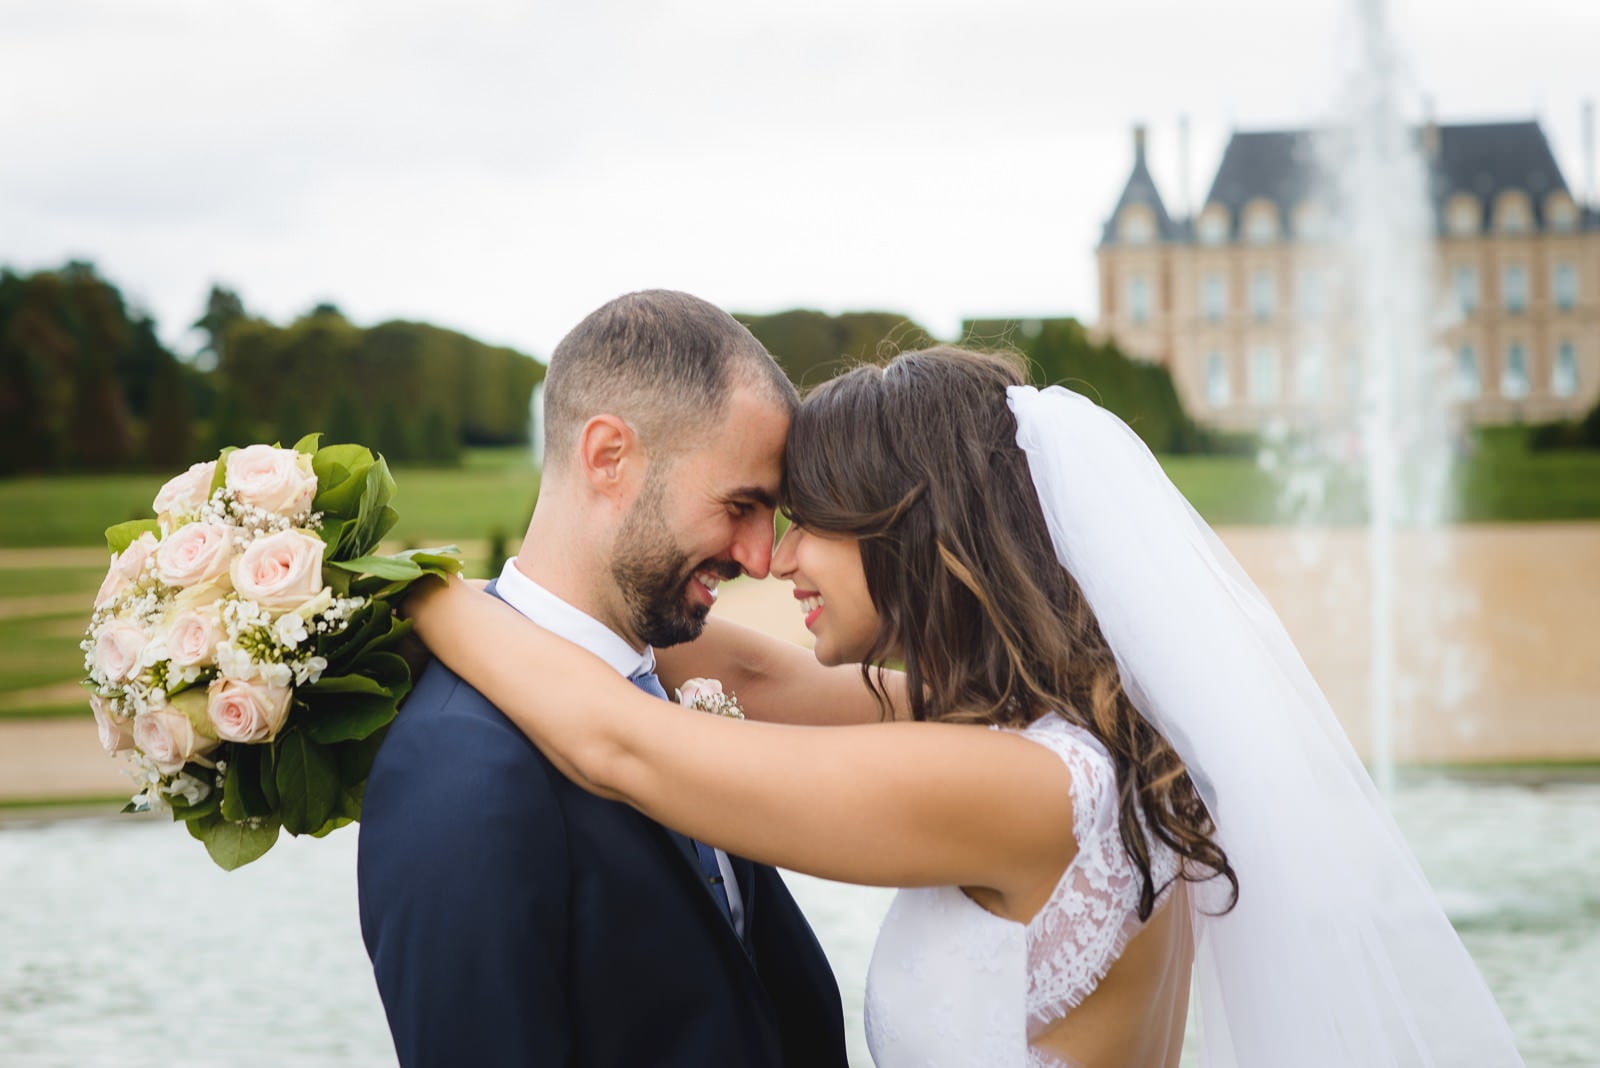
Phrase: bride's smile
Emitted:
{"points": [[831, 586]]}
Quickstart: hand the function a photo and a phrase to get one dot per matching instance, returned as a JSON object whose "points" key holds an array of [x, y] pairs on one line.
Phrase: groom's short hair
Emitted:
{"points": [[666, 362]]}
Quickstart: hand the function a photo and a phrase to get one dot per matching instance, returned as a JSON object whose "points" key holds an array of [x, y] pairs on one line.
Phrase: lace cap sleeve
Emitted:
{"points": [[1084, 926]]}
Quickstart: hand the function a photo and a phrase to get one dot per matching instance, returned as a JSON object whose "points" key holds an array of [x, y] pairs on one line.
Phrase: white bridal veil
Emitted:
{"points": [[1338, 954]]}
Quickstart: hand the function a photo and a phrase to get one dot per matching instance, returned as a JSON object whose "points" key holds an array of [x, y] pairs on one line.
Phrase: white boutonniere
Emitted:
{"points": [[705, 695]]}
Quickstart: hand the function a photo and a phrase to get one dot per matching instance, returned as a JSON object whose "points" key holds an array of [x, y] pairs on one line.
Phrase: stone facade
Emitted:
{"points": [[1241, 301]]}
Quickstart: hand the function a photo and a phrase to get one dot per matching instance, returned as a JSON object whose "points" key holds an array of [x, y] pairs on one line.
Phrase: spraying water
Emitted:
{"points": [[1391, 430]]}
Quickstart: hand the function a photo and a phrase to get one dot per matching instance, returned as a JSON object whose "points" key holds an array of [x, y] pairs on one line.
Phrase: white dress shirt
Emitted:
{"points": [[560, 618]]}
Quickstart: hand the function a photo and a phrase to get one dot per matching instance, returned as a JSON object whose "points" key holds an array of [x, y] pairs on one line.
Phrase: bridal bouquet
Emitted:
{"points": [[242, 651]]}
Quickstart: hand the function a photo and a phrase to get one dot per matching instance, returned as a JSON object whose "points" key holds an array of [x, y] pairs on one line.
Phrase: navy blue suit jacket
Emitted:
{"points": [[514, 919]]}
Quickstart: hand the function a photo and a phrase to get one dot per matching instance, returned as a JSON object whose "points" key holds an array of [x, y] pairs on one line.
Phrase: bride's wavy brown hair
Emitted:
{"points": [[919, 461]]}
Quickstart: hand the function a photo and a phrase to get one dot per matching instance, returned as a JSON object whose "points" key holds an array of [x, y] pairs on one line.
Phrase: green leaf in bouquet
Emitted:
{"points": [[267, 776], [308, 782], [119, 537], [355, 761], [242, 795], [308, 444], [375, 518], [346, 707], [392, 568], [351, 717], [371, 623], [233, 844], [219, 477], [206, 806], [332, 533], [441, 560], [341, 472], [333, 824]]}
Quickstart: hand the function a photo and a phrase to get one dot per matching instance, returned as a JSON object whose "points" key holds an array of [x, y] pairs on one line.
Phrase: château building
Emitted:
{"points": [[1240, 300]]}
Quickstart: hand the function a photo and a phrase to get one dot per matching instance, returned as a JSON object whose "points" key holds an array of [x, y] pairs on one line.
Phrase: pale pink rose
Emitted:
{"points": [[127, 567], [112, 735], [131, 560], [694, 689], [192, 636], [114, 583], [117, 649], [186, 494], [277, 480], [280, 571], [195, 554], [169, 739], [247, 710]]}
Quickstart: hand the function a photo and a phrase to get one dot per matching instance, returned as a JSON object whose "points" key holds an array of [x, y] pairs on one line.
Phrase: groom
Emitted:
{"points": [[512, 918]]}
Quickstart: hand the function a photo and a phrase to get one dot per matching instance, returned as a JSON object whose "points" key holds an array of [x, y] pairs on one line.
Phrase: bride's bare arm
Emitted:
{"points": [[778, 681], [885, 804]]}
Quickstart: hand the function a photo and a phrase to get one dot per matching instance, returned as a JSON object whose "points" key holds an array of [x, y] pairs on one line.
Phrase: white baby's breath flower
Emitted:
{"points": [[705, 695]]}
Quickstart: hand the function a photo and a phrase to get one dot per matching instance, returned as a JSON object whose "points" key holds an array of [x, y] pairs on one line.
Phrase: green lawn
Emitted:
{"points": [[493, 492], [494, 489]]}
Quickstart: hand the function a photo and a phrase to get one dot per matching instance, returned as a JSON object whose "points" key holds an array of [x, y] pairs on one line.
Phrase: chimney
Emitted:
{"points": [[1430, 130], [1184, 204], [1588, 154], [1138, 143]]}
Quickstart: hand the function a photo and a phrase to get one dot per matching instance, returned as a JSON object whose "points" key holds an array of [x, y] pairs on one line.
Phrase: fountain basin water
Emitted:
{"points": [[124, 946]]}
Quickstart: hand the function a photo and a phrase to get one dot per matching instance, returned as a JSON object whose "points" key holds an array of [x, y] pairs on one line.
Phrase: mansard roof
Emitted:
{"points": [[1483, 159], [1487, 159], [1141, 189]]}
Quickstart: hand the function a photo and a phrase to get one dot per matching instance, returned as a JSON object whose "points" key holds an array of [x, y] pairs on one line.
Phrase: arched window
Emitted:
{"points": [[1512, 213], [1564, 373], [1463, 215], [1514, 376], [1217, 386], [1213, 226], [1468, 384], [1137, 225]]}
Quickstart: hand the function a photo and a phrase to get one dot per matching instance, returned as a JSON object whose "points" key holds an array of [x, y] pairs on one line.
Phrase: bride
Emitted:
{"points": [[1119, 781]]}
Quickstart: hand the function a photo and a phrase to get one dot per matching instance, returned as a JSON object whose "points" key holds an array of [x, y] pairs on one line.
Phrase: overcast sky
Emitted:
{"points": [[503, 167]]}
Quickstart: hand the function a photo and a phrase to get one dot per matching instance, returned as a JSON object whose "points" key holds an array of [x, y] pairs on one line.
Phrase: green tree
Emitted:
{"points": [[223, 310], [343, 423], [169, 441]]}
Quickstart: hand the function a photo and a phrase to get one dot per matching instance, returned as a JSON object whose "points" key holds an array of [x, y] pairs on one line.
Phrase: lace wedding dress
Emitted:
{"points": [[953, 984]]}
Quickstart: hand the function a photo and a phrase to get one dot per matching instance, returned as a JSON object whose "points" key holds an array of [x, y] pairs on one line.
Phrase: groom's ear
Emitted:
{"points": [[611, 459]]}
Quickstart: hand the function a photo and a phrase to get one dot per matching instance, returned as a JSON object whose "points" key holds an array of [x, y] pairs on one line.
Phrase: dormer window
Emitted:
{"points": [[1463, 216], [1261, 223], [1561, 213], [1310, 222], [1213, 225], [1512, 214], [1137, 225]]}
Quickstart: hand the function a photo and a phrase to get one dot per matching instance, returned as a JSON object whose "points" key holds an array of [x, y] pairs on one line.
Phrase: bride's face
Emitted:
{"points": [[831, 587]]}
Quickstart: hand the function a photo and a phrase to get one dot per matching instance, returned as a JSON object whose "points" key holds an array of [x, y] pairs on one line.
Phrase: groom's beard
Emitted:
{"points": [[653, 575]]}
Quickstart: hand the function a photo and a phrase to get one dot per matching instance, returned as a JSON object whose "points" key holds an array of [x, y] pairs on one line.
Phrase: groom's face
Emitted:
{"points": [[701, 517]]}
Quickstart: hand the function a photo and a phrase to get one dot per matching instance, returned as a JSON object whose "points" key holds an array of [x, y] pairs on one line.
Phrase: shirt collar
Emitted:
{"points": [[562, 619]]}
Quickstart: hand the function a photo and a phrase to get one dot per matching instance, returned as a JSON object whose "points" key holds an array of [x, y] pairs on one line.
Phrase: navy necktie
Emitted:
{"points": [[708, 856]]}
